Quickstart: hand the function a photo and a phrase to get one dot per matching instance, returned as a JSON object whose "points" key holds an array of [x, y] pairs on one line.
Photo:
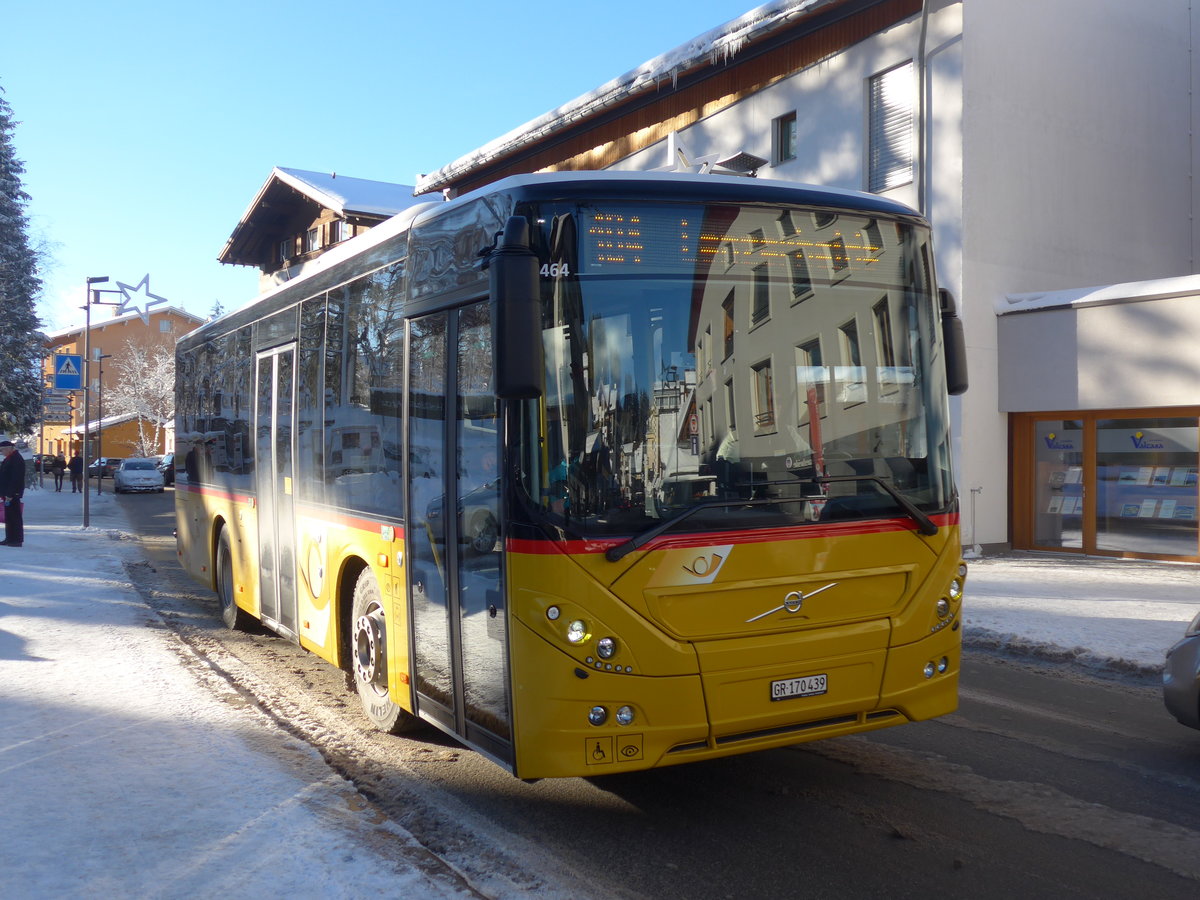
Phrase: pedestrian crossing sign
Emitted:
{"points": [[68, 371]]}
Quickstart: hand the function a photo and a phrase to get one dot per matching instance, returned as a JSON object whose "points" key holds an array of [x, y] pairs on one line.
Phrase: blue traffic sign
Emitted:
{"points": [[68, 371]]}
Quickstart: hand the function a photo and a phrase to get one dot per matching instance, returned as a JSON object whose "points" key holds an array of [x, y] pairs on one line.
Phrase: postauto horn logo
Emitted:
{"points": [[1054, 442]]}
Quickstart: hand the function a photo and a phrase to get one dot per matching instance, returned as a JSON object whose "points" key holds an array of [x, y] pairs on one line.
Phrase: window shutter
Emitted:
{"points": [[891, 127]]}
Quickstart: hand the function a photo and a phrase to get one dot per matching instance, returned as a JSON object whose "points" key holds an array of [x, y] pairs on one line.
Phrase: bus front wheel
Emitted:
{"points": [[369, 659]]}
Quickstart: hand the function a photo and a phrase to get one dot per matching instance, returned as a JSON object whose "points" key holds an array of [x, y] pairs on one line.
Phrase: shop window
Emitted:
{"points": [[1146, 488], [1058, 480]]}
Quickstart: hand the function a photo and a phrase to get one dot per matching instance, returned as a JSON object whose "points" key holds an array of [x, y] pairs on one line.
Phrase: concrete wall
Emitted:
{"points": [[1077, 162], [1115, 356]]}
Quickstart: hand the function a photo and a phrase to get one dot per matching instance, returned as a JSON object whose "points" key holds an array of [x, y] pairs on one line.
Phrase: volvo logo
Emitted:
{"points": [[792, 602]]}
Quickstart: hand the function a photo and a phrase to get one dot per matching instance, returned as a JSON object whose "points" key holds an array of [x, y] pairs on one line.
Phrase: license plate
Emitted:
{"points": [[808, 686]]}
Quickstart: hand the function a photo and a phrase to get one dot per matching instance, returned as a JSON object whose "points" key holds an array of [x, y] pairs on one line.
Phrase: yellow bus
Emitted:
{"points": [[596, 472]]}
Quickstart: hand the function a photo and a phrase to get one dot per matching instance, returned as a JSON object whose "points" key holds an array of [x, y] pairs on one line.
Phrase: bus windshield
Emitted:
{"points": [[701, 355]]}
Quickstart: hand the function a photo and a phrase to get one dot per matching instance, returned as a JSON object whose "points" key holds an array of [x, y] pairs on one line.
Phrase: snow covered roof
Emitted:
{"points": [[53, 337], [714, 46], [349, 198], [1103, 295]]}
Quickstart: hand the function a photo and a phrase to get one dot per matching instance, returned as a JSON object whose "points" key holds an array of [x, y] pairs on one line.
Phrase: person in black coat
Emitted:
{"points": [[12, 489]]}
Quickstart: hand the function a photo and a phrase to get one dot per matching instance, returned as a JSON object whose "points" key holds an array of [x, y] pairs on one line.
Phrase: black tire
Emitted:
{"points": [[368, 658], [483, 533], [234, 618]]}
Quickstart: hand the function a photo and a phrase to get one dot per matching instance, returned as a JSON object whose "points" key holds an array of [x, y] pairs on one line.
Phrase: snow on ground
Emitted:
{"points": [[1117, 613], [129, 772], [129, 769]]}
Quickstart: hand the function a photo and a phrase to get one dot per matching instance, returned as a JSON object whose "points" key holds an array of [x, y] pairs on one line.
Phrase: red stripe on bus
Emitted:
{"points": [[704, 539], [334, 518]]}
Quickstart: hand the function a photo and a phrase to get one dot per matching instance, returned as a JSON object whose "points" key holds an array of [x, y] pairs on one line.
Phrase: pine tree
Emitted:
{"points": [[21, 344]]}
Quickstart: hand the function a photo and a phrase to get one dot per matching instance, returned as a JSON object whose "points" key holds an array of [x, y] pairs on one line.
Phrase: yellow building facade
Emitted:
{"points": [[111, 344]]}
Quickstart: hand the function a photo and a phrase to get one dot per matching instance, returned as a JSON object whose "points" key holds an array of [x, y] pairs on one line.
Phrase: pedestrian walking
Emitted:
{"points": [[75, 467], [58, 468], [12, 489]]}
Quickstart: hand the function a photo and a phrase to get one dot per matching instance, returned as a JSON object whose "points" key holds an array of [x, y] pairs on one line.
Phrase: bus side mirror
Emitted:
{"points": [[516, 314], [955, 344]]}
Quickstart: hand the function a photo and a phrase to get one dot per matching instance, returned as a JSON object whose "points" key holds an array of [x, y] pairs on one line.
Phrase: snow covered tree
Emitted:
{"points": [[21, 344], [145, 388]]}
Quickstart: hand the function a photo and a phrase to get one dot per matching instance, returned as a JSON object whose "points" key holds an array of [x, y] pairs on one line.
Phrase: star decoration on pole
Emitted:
{"points": [[132, 292]]}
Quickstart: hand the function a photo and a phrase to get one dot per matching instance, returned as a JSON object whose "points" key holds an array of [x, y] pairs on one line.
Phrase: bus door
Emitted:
{"points": [[454, 534], [275, 391]]}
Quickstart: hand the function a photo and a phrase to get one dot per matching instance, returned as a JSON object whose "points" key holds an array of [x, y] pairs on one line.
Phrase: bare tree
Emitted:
{"points": [[146, 389]]}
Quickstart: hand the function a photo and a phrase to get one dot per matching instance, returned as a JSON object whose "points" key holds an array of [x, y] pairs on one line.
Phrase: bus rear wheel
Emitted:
{"points": [[369, 659], [231, 614]]}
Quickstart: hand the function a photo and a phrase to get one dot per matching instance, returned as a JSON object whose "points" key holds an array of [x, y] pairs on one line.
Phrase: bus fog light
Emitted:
{"points": [[577, 631], [606, 647], [597, 715], [943, 607], [928, 670], [625, 715], [956, 589], [943, 665], [552, 613], [962, 570]]}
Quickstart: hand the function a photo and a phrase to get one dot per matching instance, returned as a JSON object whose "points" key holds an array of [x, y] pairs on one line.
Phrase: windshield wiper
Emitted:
{"points": [[620, 551], [925, 524]]}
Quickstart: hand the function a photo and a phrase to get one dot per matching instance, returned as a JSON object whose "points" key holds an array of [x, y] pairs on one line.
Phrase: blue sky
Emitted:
{"points": [[146, 128]]}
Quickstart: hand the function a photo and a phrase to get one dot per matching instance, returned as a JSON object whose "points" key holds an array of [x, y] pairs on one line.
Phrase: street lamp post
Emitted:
{"points": [[100, 358], [91, 295], [87, 384]]}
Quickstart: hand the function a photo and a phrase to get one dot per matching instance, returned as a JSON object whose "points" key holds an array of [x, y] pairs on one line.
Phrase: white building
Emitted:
{"points": [[1050, 143]]}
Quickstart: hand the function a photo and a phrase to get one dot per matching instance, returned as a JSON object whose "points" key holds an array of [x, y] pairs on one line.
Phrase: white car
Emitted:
{"points": [[137, 475]]}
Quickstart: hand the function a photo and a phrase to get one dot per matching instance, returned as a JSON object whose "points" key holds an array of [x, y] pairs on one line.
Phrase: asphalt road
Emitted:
{"points": [[1048, 782]]}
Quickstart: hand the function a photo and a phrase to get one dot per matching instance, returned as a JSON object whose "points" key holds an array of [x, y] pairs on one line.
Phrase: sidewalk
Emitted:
{"points": [[126, 776]]}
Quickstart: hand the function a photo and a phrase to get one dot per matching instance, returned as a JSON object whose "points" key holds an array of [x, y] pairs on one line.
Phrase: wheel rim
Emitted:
{"points": [[369, 658]]}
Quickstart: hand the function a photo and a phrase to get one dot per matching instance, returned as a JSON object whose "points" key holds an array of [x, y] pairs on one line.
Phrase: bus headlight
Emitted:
{"points": [[943, 607], [625, 715], [606, 647], [577, 631], [956, 589], [929, 670], [942, 665], [597, 715]]}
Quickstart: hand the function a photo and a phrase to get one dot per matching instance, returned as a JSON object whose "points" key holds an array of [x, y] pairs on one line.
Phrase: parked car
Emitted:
{"points": [[104, 466], [1181, 677], [478, 512], [137, 475], [166, 465]]}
